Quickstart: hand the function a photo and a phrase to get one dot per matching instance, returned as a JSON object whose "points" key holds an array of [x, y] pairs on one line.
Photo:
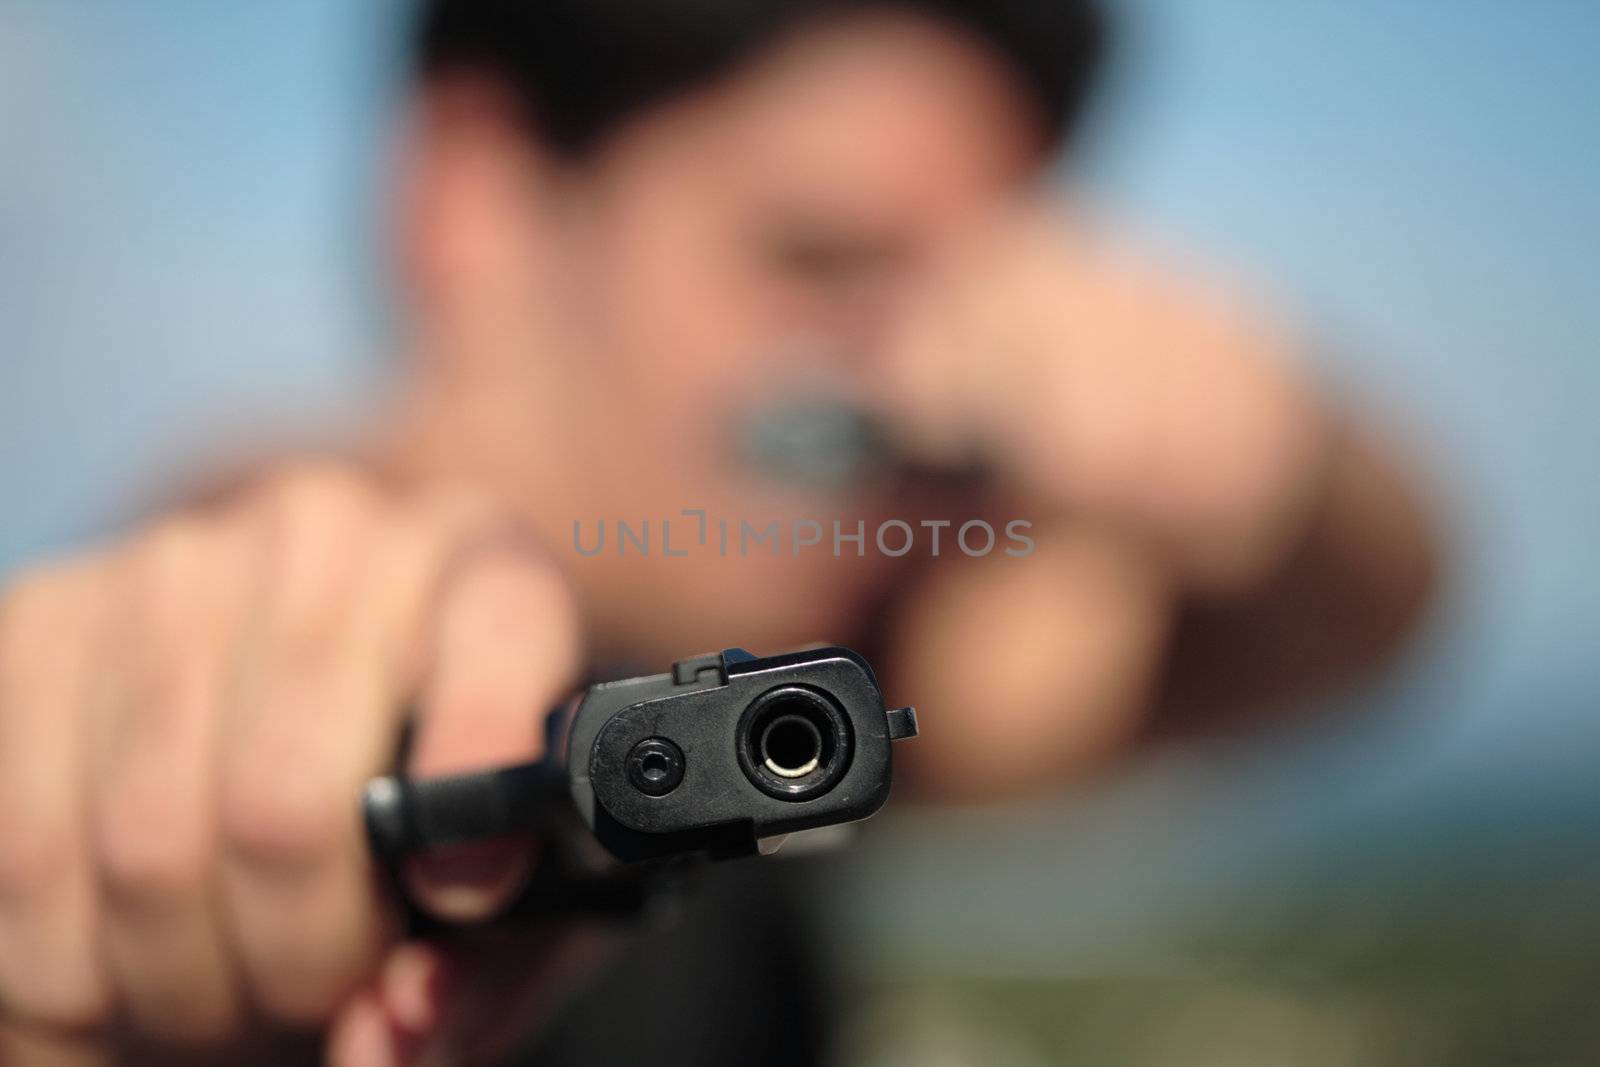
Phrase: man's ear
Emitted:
{"points": [[469, 204]]}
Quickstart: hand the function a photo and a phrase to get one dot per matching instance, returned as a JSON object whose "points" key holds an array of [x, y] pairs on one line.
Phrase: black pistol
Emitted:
{"points": [[711, 760]]}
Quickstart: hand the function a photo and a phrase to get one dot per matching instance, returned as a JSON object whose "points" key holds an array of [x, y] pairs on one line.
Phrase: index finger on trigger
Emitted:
{"points": [[505, 649]]}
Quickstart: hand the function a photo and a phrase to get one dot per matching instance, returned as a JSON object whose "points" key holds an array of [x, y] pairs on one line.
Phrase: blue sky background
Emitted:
{"points": [[188, 217]]}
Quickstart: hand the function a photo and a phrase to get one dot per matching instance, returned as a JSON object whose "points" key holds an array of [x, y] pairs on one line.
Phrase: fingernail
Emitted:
{"points": [[470, 882]]}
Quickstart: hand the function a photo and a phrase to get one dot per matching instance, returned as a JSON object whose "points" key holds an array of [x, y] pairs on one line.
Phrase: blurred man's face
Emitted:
{"points": [[795, 202], [736, 248]]}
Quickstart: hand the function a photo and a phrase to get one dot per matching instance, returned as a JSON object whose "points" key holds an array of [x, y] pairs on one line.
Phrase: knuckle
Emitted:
{"points": [[167, 577], [509, 547], [71, 1006], [171, 696], [35, 595], [321, 493], [168, 548], [301, 637], [280, 813], [49, 618], [515, 582], [294, 1002], [20, 599], [37, 851], [465, 515], [150, 845], [319, 536], [161, 567], [455, 505]]}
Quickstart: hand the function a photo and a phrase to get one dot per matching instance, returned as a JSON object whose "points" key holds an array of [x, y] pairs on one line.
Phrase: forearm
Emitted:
{"points": [[1338, 606], [1050, 666]]}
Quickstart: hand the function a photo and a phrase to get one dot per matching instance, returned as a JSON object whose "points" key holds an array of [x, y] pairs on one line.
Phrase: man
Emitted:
{"points": [[629, 235]]}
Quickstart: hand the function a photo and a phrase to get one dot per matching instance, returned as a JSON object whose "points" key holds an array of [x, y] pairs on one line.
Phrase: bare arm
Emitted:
{"points": [[1342, 604], [1213, 544]]}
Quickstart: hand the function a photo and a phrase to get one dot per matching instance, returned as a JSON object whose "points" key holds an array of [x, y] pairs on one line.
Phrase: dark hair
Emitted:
{"points": [[580, 67]]}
